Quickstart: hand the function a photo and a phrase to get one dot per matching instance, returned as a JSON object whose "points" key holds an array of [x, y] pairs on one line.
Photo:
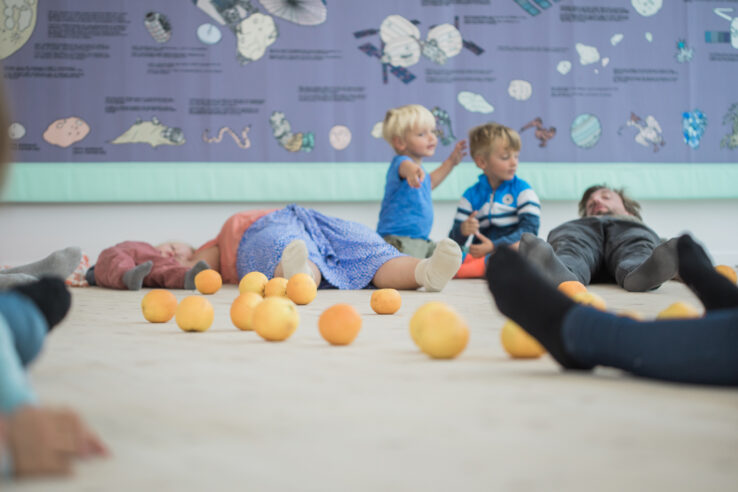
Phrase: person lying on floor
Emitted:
{"points": [[699, 350], [337, 253], [135, 264], [609, 242]]}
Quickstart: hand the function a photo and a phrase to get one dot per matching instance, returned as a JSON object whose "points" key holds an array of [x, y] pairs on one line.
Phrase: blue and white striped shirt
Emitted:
{"points": [[504, 214]]}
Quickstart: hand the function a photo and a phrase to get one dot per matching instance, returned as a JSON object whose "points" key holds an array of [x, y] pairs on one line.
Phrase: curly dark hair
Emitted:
{"points": [[631, 206]]}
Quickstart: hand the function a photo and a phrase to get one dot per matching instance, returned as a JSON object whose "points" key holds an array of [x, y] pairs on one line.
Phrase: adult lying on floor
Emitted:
{"points": [[698, 351], [609, 242]]}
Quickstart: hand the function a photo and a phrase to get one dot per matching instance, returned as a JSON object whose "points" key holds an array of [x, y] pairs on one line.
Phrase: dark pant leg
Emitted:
{"points": [[579, 245], [701, 350], [627, 245]]}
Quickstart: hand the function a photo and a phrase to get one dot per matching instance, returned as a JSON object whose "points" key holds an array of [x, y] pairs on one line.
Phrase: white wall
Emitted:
{"points": [[31, 231]]}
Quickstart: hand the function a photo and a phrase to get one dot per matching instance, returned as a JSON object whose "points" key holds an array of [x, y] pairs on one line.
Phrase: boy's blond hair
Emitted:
{"points": [[398, 121], [484, 138]]}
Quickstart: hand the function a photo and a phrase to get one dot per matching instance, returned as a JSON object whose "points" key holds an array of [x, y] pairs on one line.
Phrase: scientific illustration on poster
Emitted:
{"points": [[254, 30], [694, 124], [18, 19], [586, 131], [648, 133], [542, 133], [730, 140], [158, 26], [66, 131], [152, 132], [293, 142], [241, 139], [401, 45], [444, 129]]}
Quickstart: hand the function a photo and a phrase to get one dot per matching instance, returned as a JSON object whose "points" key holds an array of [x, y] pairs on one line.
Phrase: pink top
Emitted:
{"points": [[229, 238]]}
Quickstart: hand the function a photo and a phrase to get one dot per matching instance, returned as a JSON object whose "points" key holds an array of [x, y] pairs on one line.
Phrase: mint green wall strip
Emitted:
{"points": [[350, 182]]}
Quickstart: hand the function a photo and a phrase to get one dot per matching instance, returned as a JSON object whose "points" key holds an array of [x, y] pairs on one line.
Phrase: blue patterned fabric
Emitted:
{"points": [[348, 254]]}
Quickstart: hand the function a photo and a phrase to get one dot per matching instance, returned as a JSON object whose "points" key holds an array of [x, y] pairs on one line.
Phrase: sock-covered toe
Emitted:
{"points": [[189, 281], [531, 301], [295, 259], [696, 270], [134, 278], [51, 296], [434, 273]]}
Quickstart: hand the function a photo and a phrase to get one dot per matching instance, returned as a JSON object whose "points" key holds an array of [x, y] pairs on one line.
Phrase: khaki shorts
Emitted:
{"points": [[419, 248]]}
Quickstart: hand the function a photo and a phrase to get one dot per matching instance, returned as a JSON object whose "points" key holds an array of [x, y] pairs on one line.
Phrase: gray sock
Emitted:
{"points": [[542, 255], [134, 277], [8, 280], [661, 266], [189, 282], [60, 263]]}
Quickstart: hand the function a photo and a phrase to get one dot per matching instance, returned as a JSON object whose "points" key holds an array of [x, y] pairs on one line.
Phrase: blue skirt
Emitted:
{"points": [[348, 254]]}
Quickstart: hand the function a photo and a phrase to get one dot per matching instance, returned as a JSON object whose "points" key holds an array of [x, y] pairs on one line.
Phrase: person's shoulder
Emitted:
{"points": [[399, 159], [519, 183]]}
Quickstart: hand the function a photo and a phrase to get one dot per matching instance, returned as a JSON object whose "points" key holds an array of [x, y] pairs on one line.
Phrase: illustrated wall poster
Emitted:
{"points": [[310, 80]]}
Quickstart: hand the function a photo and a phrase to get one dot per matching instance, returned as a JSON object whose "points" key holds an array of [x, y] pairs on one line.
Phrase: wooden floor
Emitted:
{"points": [[224, 410]]}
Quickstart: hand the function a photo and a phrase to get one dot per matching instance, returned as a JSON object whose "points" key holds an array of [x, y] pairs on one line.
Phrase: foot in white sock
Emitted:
{"points": [[295, 259], [434, 273]]}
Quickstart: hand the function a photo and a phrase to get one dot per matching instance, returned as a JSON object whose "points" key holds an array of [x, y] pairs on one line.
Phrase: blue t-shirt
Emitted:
{"points": [[406, 211]]}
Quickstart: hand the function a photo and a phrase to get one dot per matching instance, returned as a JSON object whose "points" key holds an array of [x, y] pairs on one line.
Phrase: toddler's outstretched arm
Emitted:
{"points": [[412, 172], [440, 173]]}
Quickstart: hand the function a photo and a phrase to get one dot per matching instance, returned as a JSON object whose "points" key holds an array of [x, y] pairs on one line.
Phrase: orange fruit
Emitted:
{"points": [[419, 317], [301, 288], [590, 299], [275, 319], [385, 301], [518, 343], [276, 287], [242, 310], [438, 330], [678, 310], [728, 272], [572, 287], [194, 313], [253, 282], [158, 306], [339, 324], [208, 281]]}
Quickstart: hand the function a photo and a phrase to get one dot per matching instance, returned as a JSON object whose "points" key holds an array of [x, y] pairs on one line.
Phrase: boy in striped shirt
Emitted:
{"points": [[500, 207]]}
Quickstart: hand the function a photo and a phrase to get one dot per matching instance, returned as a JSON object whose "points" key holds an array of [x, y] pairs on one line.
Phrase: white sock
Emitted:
{"points": [[434, 273], [295, 259]]}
